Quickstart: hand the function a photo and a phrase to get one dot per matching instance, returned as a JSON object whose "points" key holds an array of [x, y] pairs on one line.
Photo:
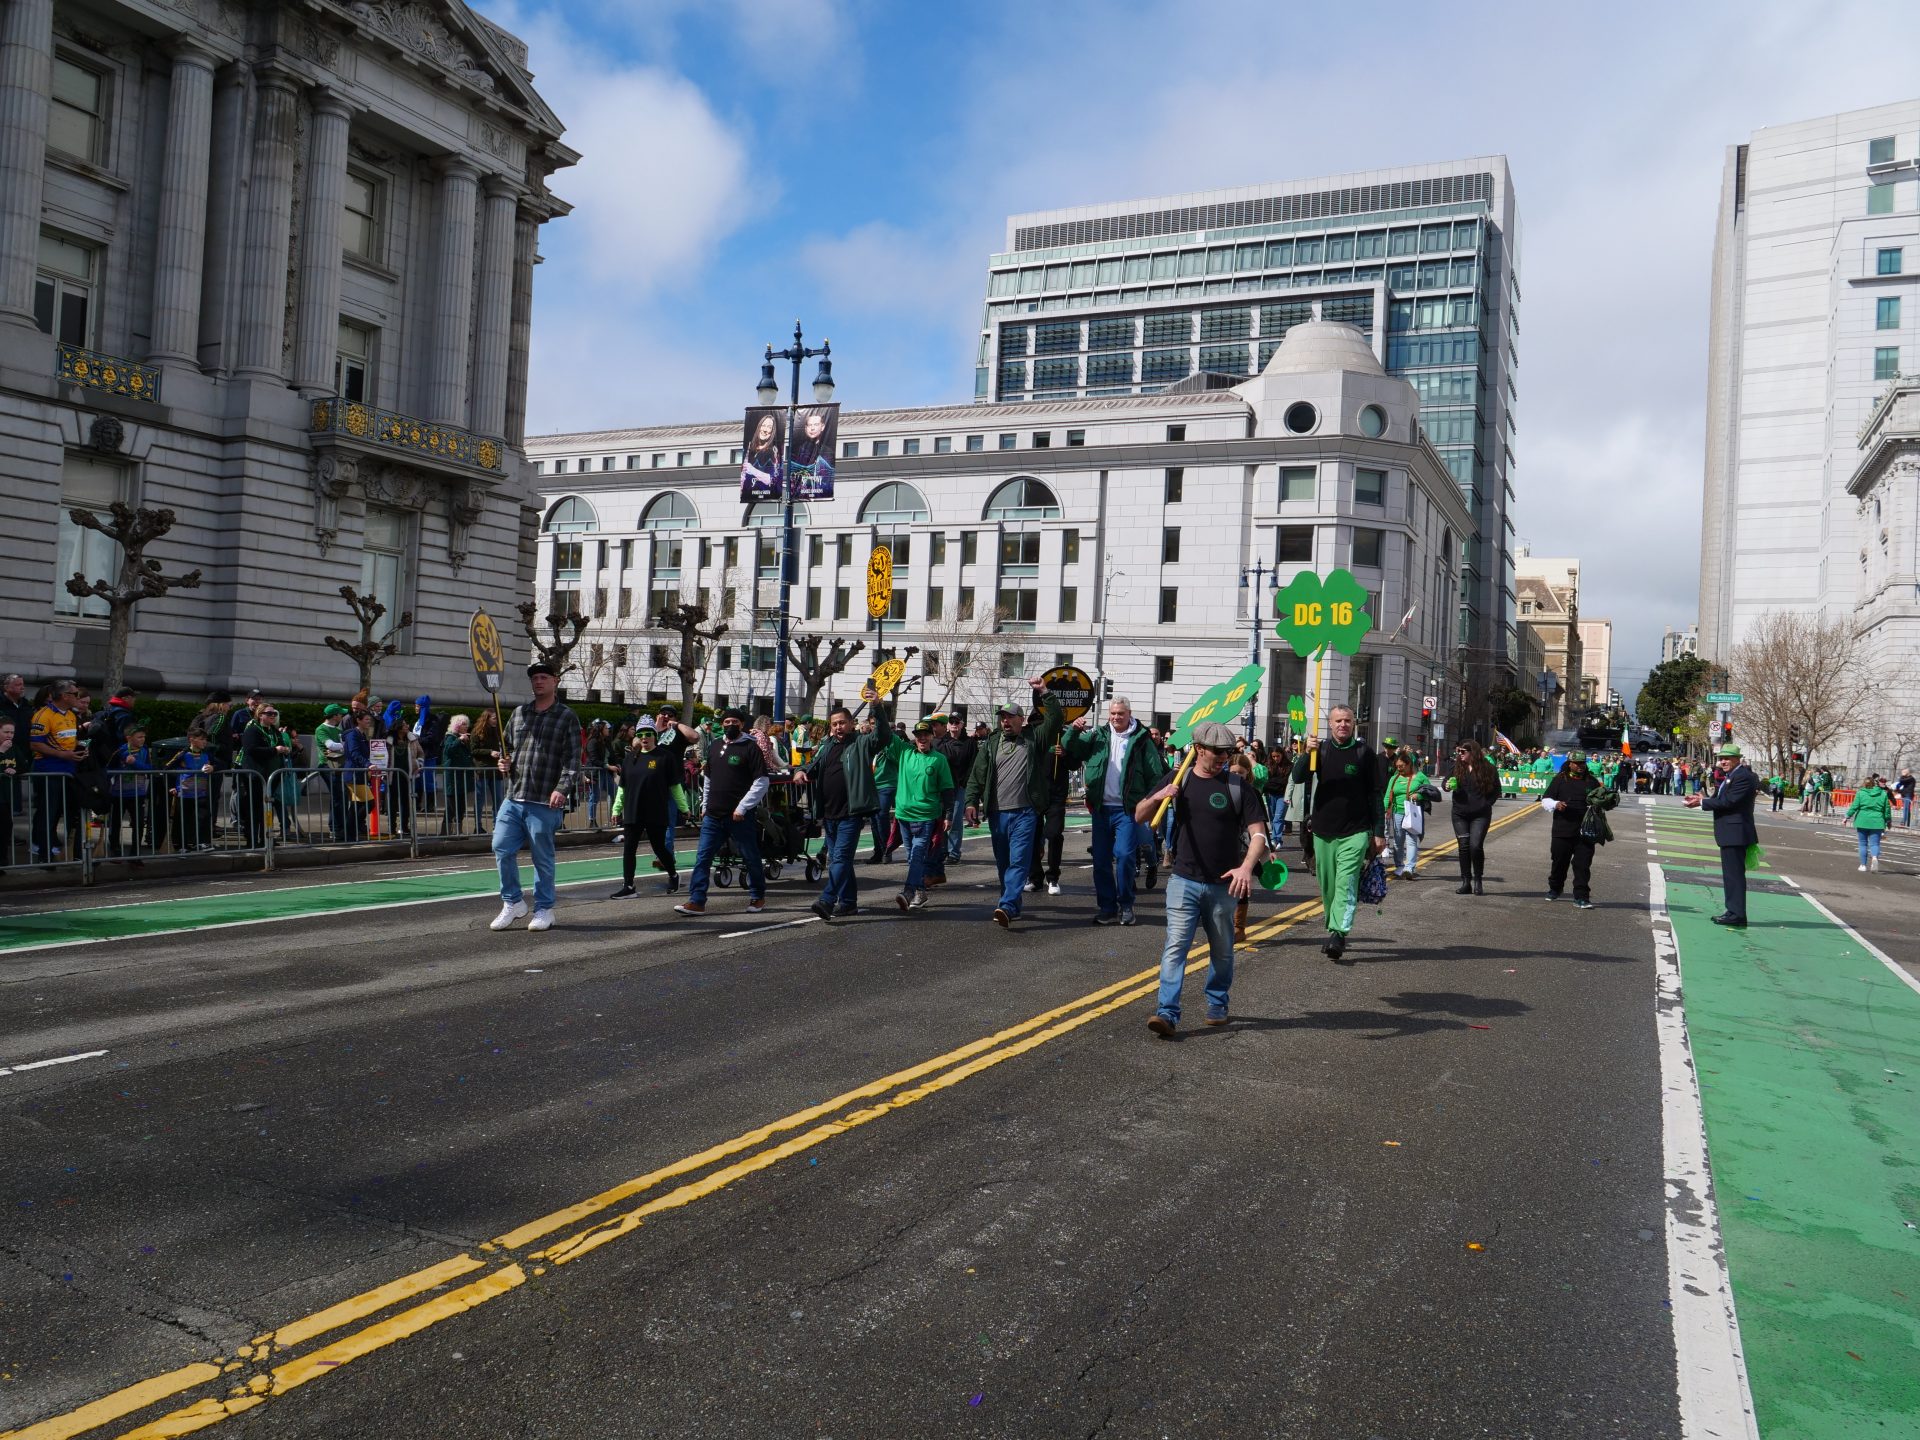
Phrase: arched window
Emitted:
{"points": [[1023, 498], [571, 516], [669, 510], [894, 503], [765, 515]]}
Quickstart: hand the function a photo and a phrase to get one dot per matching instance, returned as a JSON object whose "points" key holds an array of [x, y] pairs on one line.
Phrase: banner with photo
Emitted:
{"points": [[816, 433], [760, 462]]}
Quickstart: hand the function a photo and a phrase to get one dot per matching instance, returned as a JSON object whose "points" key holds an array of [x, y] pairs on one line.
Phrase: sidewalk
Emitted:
{"points": [[1808, 1053]]}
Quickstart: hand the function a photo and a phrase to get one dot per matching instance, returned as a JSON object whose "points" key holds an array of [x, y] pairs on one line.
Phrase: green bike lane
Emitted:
{"points": [[1807, 1050], [94, 924]]}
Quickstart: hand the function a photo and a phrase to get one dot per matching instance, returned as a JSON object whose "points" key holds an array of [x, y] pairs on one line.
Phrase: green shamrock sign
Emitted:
{"points": [[1223, 702], [1318, 614], [1297, 713]]}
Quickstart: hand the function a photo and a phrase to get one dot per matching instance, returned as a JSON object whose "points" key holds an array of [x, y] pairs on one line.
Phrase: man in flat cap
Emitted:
{"points": [[540, 757]]}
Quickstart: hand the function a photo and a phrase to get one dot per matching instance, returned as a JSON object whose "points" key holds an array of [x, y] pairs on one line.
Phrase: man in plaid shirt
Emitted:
{"points": [[541, 760]]}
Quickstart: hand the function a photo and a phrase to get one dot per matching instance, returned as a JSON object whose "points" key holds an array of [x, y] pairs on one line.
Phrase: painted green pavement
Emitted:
{"points": [[1808, 1054], [88, 924]]}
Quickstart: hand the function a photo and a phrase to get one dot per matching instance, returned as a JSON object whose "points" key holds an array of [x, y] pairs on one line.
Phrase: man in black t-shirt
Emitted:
{"points": [[736, 782], [1219, 838]]}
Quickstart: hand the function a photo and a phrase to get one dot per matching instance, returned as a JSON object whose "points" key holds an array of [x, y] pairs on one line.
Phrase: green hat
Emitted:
{"points": [[333, 710], [1729, 751], [1390, 741]]}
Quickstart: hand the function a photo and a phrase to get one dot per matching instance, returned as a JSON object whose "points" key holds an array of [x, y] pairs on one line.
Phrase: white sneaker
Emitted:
{"points": [[1873, 863], [511, 911], [542, 920], [1863, 869], [1053, 887]]}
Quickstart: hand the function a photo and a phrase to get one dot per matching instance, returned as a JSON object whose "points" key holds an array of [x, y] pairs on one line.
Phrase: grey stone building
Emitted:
{"points": [[270, 265]]}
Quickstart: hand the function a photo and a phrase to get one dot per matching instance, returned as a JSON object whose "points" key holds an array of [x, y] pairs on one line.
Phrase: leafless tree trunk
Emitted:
{"points": [[815, 669], [558, 645], [367, 652], [1796, 672], [959, 651], [139, 578], [697, 634]]}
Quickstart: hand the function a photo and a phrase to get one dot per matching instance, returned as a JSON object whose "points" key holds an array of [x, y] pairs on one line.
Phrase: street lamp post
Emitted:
{"points": [[769, 393], [1100, 638], [1271, 574]]}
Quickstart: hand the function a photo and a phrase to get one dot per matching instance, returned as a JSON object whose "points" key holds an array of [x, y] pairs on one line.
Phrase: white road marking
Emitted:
{"points": [[1715, 1400], [776, 925], [1867, 945], [57, 1060]]}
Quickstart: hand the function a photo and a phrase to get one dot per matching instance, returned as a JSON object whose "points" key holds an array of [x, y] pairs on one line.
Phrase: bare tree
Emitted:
{"points": [[367, 652], [959, 650], [558, 646], [1796, 674], [697, 634], [139, 578], [815, 669]]}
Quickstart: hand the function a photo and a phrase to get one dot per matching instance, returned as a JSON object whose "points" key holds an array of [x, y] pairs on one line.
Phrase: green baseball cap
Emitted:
{"points": [[1729, 751]]}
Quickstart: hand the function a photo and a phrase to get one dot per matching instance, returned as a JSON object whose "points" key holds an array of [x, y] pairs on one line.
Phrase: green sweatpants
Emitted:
{"points": [[1337, 865]]}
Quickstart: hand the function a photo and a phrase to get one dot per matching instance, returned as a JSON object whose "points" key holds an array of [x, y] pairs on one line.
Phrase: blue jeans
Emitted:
{"points": [[957, 821], [1191, 905], [1276, 816], [1906, 810], [883, 821], [1116, 836], [1013, 832], [517, 823], [921, 860], [1406, 850], [843, 839], [715, 829], [1869, 844]]}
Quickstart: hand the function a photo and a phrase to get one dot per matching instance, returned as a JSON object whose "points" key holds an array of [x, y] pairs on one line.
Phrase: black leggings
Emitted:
{"points": [[1472, 835], [654, 827]]}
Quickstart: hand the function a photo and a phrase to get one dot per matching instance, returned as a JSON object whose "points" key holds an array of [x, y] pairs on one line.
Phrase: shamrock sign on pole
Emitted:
{"points": [[1223, 702], [1316, 616], [1297, 714]]}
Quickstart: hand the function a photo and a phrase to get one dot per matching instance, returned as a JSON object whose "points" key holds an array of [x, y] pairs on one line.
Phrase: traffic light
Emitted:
{"points": [[1106, 687]]}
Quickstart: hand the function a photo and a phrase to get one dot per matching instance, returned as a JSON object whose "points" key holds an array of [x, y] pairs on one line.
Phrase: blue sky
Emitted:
{"points": [[852, 163]]}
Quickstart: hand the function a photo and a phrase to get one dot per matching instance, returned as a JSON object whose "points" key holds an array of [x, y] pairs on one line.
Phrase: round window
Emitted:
{"points": [[1373, 421], [1301, 417]]}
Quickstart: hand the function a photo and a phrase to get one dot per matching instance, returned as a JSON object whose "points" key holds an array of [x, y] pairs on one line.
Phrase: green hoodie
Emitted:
{"points": [[924, 783], [1871, 809]]}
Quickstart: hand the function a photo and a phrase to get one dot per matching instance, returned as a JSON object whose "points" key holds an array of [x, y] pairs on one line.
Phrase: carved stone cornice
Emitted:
{"points": [[417, 27]]}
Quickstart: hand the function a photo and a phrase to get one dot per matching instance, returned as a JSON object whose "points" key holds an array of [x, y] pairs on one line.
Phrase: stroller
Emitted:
{"points": [[785, 827]]}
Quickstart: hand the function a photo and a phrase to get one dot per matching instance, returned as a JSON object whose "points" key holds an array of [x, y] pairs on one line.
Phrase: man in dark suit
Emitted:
{"points": [[1732, 806]]}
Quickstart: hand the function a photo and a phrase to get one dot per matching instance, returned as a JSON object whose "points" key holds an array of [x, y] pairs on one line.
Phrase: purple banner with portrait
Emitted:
{"points": [[760, 462], [816, 431]]}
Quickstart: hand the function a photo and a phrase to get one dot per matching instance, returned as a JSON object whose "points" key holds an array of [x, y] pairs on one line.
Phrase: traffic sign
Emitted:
{"points": [[1315, 615], [1722, 698], [1072, 688], [483, 643], [879, 582]]}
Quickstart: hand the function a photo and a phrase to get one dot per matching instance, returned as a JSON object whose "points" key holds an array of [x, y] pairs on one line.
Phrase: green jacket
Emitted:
{"points": [[885, 764], [923, 783], [1871, 809], [1092, 748], [856, 762], [982, 788]]}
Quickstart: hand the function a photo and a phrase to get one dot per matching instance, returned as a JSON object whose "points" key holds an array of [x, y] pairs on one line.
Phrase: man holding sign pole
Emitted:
{"points": [[1346, 820], [1219, 839], [1009, 786]]}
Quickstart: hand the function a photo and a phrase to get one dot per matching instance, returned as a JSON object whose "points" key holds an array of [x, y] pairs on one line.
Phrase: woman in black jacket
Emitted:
{"points": [[647, 778], [1571, 792], [1476, 786]]}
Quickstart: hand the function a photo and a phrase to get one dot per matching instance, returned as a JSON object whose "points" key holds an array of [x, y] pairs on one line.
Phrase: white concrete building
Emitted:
{"points": [[1023, 533], [1130, 297], [1675, 643], [269, 265], [1884, 490], [1813, 312], [1596, 662]]}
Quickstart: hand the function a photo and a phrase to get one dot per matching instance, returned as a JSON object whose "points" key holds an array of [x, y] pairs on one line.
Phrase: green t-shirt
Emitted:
{"points": [[921, 782]]}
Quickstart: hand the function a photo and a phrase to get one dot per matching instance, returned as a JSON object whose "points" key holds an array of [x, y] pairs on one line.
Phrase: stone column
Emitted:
{"points": [[493, 326], [526, 239], [263, 253], [318, 337], [180, 248], [226, 192], [453, 295], [26, 82]]}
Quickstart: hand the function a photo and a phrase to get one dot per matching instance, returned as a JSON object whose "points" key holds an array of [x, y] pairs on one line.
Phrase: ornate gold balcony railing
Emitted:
{"points": [[94, 371], [362, 422]]}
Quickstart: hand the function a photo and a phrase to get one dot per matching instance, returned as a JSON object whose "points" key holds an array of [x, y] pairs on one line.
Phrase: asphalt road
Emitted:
{"points": [[1419, 1196]]}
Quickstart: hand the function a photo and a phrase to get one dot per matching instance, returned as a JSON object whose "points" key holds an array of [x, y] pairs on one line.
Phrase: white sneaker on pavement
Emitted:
{"points": [[1053, 887], [1863, 869], [542, 920], [510, 911]]}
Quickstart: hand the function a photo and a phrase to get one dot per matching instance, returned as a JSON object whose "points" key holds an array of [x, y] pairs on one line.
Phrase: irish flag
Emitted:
{"points": [[1626, 744]]}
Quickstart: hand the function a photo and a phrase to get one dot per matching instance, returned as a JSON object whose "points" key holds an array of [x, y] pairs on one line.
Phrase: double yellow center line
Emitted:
{"points": [[266, 1367]]}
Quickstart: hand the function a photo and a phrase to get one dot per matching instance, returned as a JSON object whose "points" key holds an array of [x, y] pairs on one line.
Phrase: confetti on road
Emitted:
{"points": [[1394, 1143], [1475, 1245], [976, 1399], [1479, 1027]]}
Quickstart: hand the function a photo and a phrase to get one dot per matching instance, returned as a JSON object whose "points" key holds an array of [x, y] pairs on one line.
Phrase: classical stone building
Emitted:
{"points": [[269, 265], [1548, 591], [1136, 536], [1885, 491]]}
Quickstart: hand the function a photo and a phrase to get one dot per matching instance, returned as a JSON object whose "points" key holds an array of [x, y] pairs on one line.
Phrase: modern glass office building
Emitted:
{"points": [[1129, 299]]}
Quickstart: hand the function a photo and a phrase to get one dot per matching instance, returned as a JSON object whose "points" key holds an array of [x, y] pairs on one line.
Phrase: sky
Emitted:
{"points": [[852, 163]]}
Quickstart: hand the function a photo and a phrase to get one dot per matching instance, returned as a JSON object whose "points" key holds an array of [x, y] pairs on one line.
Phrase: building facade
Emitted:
{"points": [[1128, 298], [1596, 663], [270, 266], [1884, 488], [1113, 533], [1813, 313], [1549, 607], [1675, 643]]}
